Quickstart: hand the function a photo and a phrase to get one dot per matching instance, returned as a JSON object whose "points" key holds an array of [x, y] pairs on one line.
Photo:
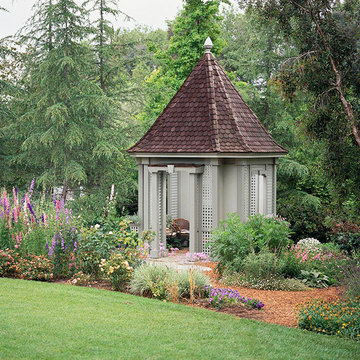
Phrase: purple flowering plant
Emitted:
{"points": [[197, 256], [220, 297], [30, 224]]}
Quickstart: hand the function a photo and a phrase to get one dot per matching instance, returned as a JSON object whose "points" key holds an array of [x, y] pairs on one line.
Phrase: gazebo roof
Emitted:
{"points": [[207, 115]]}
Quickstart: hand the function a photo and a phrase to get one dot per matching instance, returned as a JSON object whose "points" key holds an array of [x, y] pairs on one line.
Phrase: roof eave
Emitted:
{"points": [[210, 155]]}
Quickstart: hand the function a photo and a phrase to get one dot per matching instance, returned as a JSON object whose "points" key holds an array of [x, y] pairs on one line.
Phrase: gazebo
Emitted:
{"points": [[205, 156]]}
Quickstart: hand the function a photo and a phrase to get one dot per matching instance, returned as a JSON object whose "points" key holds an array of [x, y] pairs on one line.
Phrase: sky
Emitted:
{"points": [[153, 13]]}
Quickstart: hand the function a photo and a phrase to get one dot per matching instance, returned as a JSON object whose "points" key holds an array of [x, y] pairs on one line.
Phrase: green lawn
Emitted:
{"points": [[54, 321]]}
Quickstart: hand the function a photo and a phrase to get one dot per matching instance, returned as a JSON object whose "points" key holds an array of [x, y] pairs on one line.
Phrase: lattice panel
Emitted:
{"points": [[206, 238], [253, 194], [246, 191], [207, 210], [173, 194], [151, 199], [134, 228], [269, 193], [160, 205]]}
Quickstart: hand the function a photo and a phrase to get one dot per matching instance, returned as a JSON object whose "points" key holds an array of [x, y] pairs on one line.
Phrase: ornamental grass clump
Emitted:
{"points": [[162, 282], [219, 297], [340, 317]]}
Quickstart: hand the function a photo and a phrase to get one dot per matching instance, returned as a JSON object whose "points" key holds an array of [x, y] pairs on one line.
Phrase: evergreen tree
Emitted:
{"points": [[59, 129]]}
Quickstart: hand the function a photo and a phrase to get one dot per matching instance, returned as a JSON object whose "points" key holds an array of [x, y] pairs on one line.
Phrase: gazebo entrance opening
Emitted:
{"points": [[174, 190]]}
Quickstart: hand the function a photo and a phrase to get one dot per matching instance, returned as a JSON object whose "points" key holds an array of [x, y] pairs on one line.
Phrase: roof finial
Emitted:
{"points": [[208, 45]]}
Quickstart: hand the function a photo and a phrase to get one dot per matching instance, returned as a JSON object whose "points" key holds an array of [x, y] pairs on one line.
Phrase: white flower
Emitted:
{"points": [[110, 232], [309, 243], [97, 226]]}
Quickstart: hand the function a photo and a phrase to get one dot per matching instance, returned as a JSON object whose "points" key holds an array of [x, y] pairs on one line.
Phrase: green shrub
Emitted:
{"points": [[270, 233], [233, 240], [118, 270], [34, 267], [29, 267], [341, 317], [291, 266], [273, 282], [306, 220], [79, 279], [350, 276], [9, 264], [263, 265], [97, 243], [161, 282], [346, 235]]}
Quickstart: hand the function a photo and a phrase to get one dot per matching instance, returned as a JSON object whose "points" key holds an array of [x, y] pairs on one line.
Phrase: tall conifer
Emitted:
{"points": [[60, 128]]}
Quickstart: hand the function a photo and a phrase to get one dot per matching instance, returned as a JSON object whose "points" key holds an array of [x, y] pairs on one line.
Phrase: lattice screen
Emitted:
{"points": [[253, 194], [173, 192], [160, 204], [134, 228], [207, 210], [151, 197], [206, 238]]}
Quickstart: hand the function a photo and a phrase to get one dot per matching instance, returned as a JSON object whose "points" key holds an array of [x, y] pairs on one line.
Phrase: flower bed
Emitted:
{"points": [[340, 317]]}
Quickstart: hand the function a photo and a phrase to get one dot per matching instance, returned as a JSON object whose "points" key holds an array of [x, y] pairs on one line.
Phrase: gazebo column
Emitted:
{"points": [[243, 189], [195, 207], [193, 218], [215, 200], [158, 212], [141, 195], [145, 220]]}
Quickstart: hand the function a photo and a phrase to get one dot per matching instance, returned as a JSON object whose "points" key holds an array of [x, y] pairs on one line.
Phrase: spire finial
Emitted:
{"points": [[208, 45]]}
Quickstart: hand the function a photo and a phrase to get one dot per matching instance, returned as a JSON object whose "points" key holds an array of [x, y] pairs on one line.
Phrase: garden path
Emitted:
{"points": [[179, 261]]}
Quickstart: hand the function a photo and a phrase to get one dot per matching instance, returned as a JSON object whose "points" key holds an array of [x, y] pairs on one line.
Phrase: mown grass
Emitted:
{"points": [[54, 321]]}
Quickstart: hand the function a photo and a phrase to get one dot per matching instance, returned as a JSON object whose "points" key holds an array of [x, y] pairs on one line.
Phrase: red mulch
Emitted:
{"points": [[280, 306]]}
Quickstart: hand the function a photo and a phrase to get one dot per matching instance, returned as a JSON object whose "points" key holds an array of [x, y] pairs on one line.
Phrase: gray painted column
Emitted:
{"points": [[141, 197], [146, 207], [276, 160], [243, 189], [215, 192], [162, 213], [158, 212], [194, 210], [154, 218]]}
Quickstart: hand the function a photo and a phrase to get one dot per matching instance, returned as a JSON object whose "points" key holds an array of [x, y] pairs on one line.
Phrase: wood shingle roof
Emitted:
{"points": [[207, 115]]}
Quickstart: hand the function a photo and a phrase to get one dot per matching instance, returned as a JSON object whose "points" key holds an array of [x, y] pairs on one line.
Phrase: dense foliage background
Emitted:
{"points": [[76, 94]]}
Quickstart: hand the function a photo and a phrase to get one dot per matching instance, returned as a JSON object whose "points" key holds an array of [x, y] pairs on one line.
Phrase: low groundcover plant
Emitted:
{"points": [[219, 297]]}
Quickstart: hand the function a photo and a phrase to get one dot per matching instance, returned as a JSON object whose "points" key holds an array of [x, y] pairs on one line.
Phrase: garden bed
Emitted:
{"points": [[280, 306]]}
